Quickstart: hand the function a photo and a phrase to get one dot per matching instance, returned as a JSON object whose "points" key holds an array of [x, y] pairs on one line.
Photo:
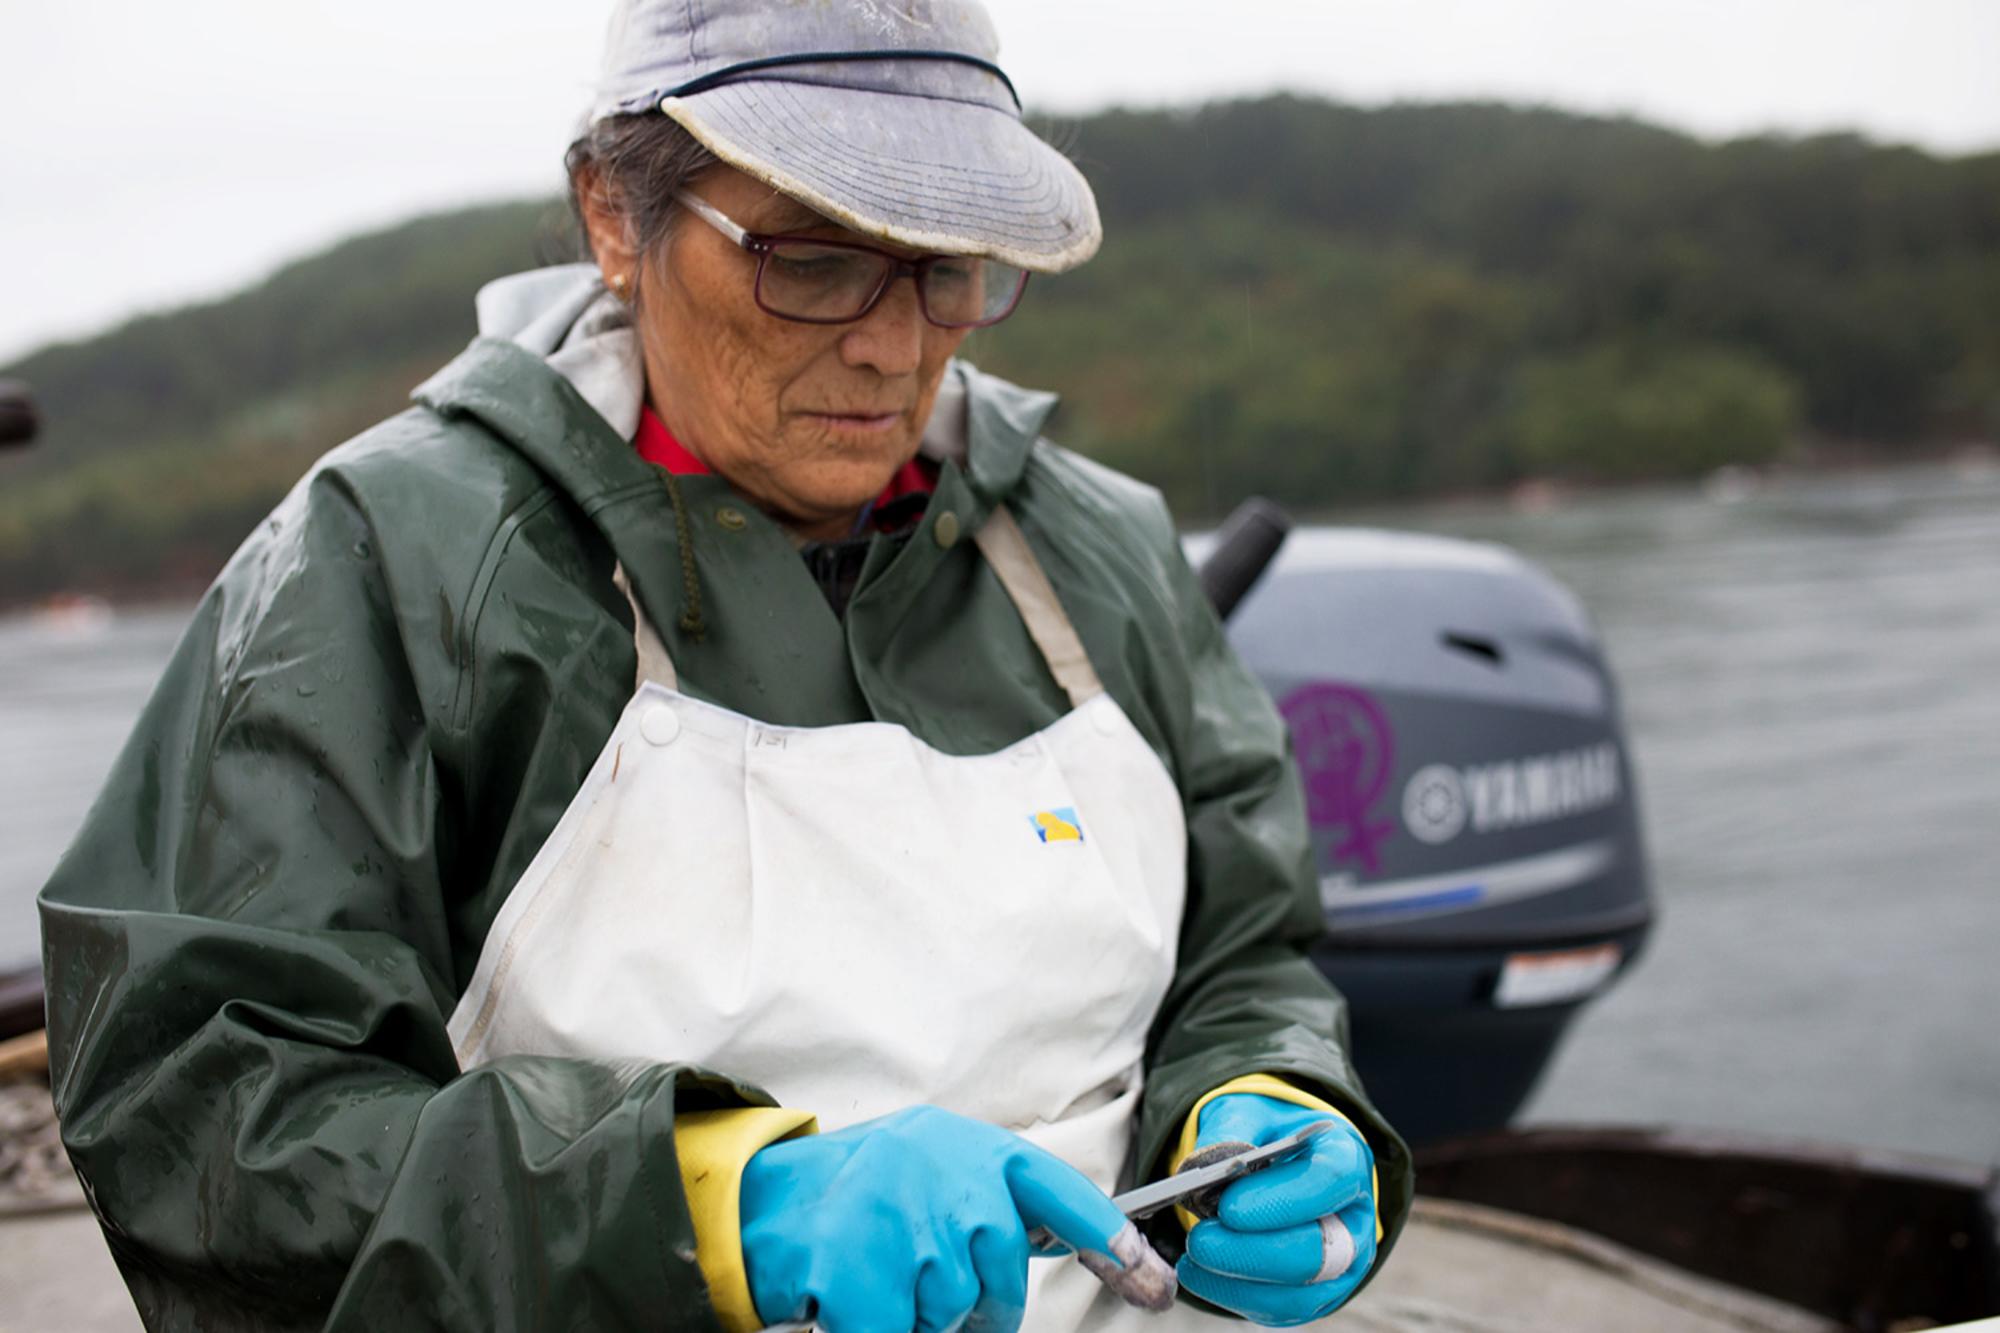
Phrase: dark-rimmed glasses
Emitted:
{"points": [[812, 281]]}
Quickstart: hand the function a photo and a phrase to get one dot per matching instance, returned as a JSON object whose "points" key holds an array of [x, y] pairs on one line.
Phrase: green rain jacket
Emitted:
{"points": [[377, 716]]}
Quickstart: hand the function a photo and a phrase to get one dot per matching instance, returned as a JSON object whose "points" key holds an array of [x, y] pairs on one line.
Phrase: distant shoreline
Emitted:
{"points": [[1977, 456]]}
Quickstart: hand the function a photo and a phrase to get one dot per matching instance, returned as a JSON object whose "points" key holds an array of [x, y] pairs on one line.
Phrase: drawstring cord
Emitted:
{"points": [[692, 623]]}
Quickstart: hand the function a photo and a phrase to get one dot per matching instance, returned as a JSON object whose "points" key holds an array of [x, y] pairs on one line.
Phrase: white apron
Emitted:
{"points": [[858, 923]]}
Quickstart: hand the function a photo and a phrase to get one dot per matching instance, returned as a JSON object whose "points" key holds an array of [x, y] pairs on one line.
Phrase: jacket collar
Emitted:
{"points": [[515, 394], [986, 426]]}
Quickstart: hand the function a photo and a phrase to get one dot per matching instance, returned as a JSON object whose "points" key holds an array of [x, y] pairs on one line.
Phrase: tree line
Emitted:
{"points": [[1317, 302]]}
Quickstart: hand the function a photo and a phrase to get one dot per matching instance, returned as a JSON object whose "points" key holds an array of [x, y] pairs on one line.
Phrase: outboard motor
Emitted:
{"points": [[1475, 828]]}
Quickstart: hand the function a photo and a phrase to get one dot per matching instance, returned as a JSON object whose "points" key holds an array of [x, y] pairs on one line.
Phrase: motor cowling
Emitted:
{"points": [[1475, 823]]}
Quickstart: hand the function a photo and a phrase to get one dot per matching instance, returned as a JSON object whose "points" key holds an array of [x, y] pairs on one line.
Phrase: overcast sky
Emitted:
{"points": [[153, 153]]}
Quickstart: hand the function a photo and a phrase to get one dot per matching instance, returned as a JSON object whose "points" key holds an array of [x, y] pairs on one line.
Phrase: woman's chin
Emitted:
{"points": [[825, 501]]}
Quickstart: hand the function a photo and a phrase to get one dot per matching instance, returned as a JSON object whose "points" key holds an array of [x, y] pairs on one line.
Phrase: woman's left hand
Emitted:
{"points": [[1294, 1240]]}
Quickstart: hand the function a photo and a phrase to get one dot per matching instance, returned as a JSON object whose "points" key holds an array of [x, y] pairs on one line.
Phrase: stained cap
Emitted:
{"points": [[891, 117]]}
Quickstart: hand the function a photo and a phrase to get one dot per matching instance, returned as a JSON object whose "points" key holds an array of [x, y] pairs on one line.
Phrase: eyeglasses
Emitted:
{"points": [[836, 282]]}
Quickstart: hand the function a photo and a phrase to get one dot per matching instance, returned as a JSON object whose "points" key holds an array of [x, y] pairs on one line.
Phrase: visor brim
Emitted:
{"points": [[932, 174]]}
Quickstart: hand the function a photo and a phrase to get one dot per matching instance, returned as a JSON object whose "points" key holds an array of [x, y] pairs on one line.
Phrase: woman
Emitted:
{"points": [[706, 816]]}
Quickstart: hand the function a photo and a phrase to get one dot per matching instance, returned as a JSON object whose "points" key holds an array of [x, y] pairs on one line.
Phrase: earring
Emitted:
{"points": [[621, 286]]}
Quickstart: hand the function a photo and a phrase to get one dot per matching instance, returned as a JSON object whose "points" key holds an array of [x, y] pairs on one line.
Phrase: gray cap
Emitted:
{"points": [[887, 116]]}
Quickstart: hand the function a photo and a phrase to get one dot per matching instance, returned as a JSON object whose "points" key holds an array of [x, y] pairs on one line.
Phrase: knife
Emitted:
{"points": [[1197, 1186]]}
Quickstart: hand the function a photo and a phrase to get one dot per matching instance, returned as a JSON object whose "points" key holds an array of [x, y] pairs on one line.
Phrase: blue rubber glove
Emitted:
{"points": [[1293, 1241], [915, 1220]]}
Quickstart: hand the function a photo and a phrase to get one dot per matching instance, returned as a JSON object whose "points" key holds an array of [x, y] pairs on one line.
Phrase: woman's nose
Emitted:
{"points": [[890, 338]]}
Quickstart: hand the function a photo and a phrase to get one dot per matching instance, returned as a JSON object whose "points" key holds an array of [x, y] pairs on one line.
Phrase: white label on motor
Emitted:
{"points": [[1555, 978]]}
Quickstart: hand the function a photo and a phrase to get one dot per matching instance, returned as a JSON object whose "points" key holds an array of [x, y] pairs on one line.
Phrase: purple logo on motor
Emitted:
{"points": [[1347, 751]]}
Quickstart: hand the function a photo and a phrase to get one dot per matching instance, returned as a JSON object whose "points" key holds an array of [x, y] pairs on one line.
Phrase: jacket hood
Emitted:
{"points": [[565, 317]]}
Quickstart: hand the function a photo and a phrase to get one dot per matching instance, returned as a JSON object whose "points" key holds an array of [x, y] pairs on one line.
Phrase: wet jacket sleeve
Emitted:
{"points": [[1245, 998], [249, 959]]}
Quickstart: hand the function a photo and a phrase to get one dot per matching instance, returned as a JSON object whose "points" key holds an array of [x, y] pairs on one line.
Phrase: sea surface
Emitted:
{"points": [[1811, 671]]}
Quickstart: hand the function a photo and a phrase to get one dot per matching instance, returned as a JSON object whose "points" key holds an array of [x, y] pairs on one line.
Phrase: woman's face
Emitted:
{"points": [[808, 421]]}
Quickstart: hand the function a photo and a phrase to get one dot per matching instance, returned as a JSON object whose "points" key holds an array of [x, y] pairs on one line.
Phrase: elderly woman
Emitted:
{"points": [[707, 817]]}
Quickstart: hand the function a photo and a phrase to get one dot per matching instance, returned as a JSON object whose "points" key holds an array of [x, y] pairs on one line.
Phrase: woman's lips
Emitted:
{"points": [[857, 421]]}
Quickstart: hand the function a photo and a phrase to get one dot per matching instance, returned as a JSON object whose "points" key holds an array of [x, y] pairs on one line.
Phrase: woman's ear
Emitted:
{"points": [[609, 231]]}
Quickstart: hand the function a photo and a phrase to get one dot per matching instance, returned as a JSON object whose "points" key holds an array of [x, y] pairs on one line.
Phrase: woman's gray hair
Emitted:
{"points": [[641, 158]]}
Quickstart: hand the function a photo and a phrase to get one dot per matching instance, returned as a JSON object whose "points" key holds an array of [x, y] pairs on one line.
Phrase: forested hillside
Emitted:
{"points": [[1321, 303]]}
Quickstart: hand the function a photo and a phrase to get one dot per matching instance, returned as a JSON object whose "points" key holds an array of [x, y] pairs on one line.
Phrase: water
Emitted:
{"points": [[1812, 680], [68, 698]]}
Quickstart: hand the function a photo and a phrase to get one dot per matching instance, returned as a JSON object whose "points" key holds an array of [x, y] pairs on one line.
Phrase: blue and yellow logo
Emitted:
{"points": [[1057, 825]]}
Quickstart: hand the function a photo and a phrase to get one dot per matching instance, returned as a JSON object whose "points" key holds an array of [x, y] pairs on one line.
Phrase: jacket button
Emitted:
{"points": [[730, 517], [659, 725], [945, 530]]}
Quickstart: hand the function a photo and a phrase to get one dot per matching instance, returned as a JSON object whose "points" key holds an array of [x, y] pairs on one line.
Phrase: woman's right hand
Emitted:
{"points": [[914, 1220]]}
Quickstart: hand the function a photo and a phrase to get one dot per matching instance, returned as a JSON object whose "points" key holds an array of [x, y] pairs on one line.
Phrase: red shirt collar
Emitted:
{"points": [[657, 445]]}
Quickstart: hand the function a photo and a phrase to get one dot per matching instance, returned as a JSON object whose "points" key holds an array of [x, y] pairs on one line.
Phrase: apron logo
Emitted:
{"points": [[1057, 825]]}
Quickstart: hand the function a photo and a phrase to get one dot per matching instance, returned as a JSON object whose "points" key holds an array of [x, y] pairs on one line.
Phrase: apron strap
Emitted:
{"points": [[1006, 549], [654, 663]]}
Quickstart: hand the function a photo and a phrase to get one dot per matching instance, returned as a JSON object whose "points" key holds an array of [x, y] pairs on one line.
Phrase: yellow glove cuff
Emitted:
{"points": [[713, 1148], [1277, 1089]]}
